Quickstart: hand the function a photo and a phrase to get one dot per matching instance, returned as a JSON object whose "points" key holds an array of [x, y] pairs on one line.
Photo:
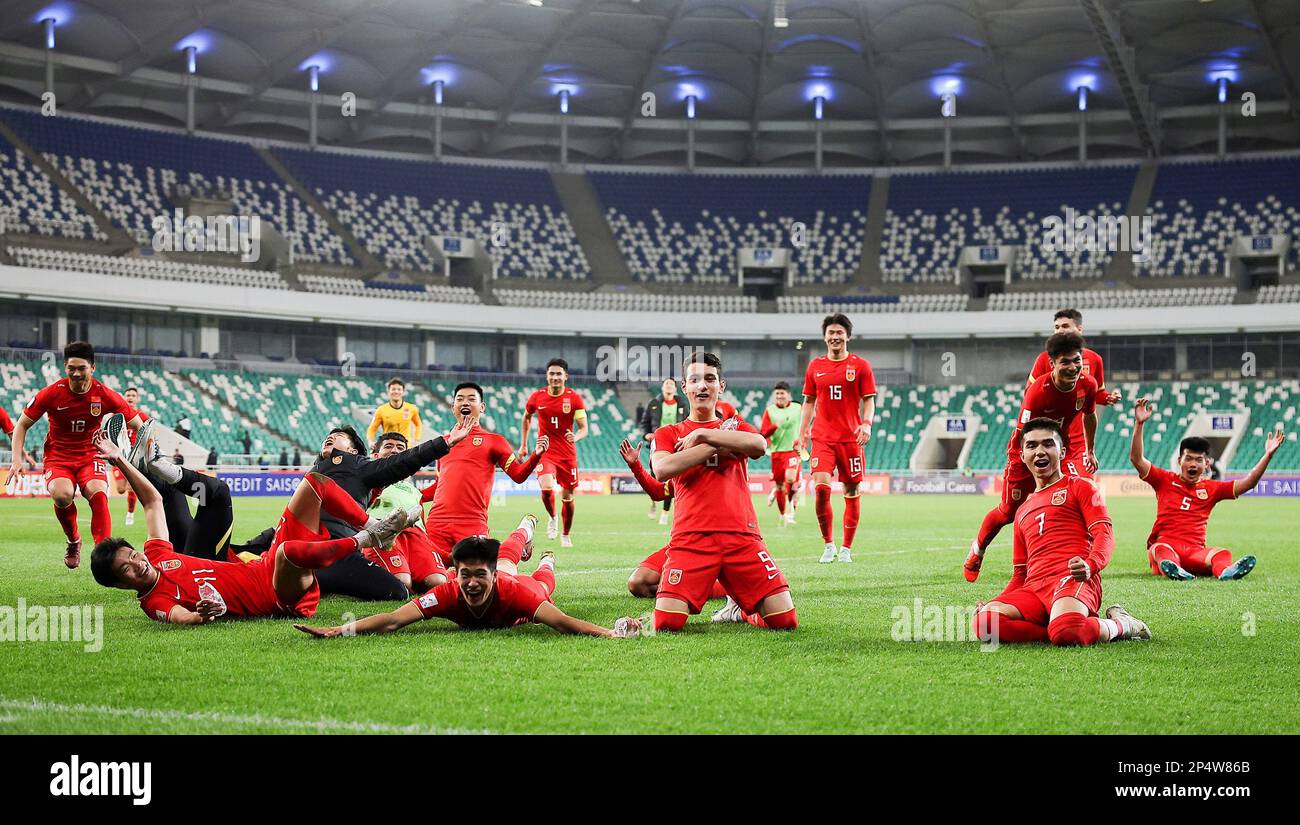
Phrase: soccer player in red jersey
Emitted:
{"points": [[75, 405], [715, 534], [841, 389], [464, 489], [485, 593], [190, 590], [1176, 546], [558, 409], [1063, 540], [1068, 395], [1077, 462]]}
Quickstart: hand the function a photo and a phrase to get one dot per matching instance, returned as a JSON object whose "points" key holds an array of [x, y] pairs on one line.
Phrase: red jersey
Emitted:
{"points": [[712, 497], [723, 410], [6, 423], [245, 587], [838, 387], [1092, 367], [1182, 509], [555, 417], [74, 418], [1043, 400], [514, 602], [1052, 527], [465, 477]]}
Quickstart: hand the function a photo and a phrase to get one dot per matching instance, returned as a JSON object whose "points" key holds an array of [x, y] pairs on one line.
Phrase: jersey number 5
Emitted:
{"points": [[1187, 504]]}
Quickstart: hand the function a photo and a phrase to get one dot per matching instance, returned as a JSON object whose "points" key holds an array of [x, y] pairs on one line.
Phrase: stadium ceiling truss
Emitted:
{"points": [[754, 71]]}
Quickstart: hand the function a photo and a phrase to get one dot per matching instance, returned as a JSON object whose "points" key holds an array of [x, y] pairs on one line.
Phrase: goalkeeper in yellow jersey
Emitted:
{"points": [[396, 416]]}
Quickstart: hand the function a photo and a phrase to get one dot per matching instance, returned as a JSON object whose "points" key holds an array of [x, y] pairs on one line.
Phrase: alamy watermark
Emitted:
{"points": [[640, 363], [1102, 233], [231, 234], [921, 622], [82, 623]]}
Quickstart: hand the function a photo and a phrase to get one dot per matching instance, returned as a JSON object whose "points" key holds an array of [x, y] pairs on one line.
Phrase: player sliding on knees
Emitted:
{"points": [[1063, 540], [188, 590], [715, 535], [1176, 546], [486, 592]]}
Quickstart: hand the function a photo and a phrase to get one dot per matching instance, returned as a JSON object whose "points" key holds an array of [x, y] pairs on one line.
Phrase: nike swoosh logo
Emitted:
{"points": [[178, 592], [61, 409], [820, 374]]}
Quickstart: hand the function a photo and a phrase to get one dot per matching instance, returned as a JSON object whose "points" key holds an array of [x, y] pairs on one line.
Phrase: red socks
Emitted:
{"points": [[994, 521], [780, 499], [130, 501], [313, 555], [512, 549], [566, 515], [1074, 629], [666, 622], [548, 501], [785, 620], [718, 592], [67, 517], [335, 501], [852, 507], [101, 520], [825, 518], [1159, 552], [990, 625], [1210, 561], [546, 576]]}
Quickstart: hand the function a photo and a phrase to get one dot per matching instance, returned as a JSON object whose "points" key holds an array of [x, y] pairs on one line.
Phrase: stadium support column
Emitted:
{"points": [[817, 145], [341, 348], [209, 337], [191, 65], [947, 143], [1223, 116], [521, 355], [690, 145], [430, 350], [60, 328], [313, 98], [437, 133]]}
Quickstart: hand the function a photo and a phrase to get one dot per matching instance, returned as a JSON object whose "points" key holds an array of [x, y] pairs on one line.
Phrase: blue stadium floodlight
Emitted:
{"points": [[314, 73], [946, 84], [819, 103], [1223, 90], [690, 107], [437, 92], [564, 101], [51, 17], [191, 59], [1083, 98]]}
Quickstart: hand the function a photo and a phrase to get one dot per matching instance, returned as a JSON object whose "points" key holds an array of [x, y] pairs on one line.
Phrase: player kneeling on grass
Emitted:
{"points": [[1063, 539], [183, 589], [486, 592], [1176, 547], [715, 536]]}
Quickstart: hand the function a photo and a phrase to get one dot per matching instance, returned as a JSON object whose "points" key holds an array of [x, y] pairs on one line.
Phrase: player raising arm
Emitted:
{"points": [[483, 596], [1063, 540], [1176, 546]]}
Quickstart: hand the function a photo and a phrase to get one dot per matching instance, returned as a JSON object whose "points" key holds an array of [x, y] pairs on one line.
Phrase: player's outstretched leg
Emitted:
{"points": [[1238, 569], [1004, 623], [548, 504], [545, 572], [517, 547], [825, 519], [65, 510]]}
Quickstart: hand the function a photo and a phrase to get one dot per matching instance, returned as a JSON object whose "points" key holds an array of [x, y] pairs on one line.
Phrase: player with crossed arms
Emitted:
{"points": [[1063, 540], [1176, 546]]}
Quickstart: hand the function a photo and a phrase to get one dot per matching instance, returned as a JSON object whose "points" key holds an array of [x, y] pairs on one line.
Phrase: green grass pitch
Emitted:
{"points": [[1222, 661]]}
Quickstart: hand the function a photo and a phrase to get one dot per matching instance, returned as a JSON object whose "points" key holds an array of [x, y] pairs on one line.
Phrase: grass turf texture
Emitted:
{"points": [[839, 672]]}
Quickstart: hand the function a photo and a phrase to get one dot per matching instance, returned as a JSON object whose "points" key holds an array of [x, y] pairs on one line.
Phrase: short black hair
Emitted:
{"points": [[391, 435], [1195, 444], [397, 381], [1063, 343], [352, 435], [1073, 314], [837, 318], [128, 389], [782, 385], [699, 356], [79, 349], [558, 362], [101, 560], [1042, 423], [470, 385], [476, 549]]}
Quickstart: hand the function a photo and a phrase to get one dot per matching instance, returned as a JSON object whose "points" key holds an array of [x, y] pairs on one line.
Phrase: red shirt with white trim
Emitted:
{"points": [[1053, 524], [74, 418], [513, 603], [1182, 509], [711, 497], [839, 387], [555, 417]]}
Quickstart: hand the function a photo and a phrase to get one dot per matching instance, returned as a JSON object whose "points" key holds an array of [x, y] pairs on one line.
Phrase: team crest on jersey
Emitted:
{"points": [[96, 408], [1015, 494], [567, 406], [1202, 494], [813, 464], [1058, 498], [169, 564], [850, 374], [1078, 403], [396, 560], [338, 459], [478, 441], [674, 577]]}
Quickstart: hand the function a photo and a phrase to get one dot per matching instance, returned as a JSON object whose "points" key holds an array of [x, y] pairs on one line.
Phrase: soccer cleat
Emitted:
{"points": [[140, 453], [729, 612], [565, 541], [547, 560], [829, 554], [72, 556], [114, 426], [1130, 626], [663, 518], [654, 511], [130, 519], [1173, 571], [385, 532], [974, 559], [529, 525], [771, 497], [846, 555], [789, 517], [552, 527], [1238, 569]]}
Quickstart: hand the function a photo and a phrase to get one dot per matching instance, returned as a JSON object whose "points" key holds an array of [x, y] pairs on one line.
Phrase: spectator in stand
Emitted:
{"points": [[248, 443], [177, 458], [297, 457], [284, 457], [264, 462], [212, 458]]}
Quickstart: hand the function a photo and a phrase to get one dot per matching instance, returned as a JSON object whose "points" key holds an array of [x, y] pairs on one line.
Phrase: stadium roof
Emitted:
{"points": [[1152, 68]]}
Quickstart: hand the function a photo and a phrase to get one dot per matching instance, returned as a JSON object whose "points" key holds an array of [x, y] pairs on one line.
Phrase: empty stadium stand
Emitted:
{"points": [[441, 293], [872, 303], [137, 267], [627, 301], [30, 202], [1279, 294], [1113, 298]]}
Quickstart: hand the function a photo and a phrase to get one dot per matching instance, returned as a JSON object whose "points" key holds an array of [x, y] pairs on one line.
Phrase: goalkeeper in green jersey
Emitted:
{"points": [[411, 558], [780, 426]]}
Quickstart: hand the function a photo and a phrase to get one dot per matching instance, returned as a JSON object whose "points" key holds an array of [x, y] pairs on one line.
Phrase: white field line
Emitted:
{"points": [[560, 572], [319, 725]]}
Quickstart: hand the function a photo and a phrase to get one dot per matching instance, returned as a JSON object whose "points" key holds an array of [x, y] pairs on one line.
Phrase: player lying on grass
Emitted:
{"points": [[644, 581], [1064, 395], [343, 459], [1176, 546], [411, 559], [1063, 540], [487, 592], [182, 589], [715, 536]]}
